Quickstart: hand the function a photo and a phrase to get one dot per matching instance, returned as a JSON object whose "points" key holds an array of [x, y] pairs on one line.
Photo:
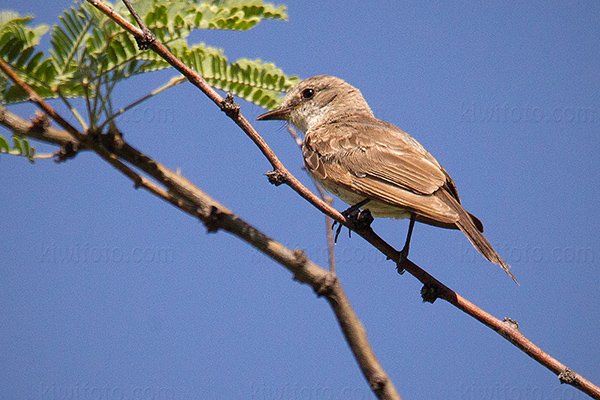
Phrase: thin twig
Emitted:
{"points": [[73, 110], [135, 15], [294, 135], [171, 83], [328, 230]]}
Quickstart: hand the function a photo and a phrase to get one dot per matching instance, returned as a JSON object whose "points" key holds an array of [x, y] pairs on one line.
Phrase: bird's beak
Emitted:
{"points": [[278, 113]]}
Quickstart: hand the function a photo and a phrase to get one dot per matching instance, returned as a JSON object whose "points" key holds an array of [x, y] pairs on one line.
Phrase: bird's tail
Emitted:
{"points": [[467, 226]]}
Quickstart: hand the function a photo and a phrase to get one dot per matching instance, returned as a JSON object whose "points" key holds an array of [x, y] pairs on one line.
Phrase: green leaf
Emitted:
{"points": [[17, 47], [4, 148], [253, 80], [21, 147], [17, 145]]}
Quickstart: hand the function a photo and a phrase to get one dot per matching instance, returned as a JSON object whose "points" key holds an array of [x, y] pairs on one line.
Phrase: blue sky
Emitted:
{"points": [[108, 291]]}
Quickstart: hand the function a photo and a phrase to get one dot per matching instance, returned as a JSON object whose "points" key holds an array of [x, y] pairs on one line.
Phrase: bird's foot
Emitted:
{"points": [[403, 255], [358, 219]]}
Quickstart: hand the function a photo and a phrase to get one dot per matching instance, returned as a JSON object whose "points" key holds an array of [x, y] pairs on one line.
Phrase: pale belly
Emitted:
{"points": [[378, 209]]}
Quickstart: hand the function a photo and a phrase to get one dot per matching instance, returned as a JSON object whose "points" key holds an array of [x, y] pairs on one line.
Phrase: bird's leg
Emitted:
{"points": [[359, 219], [404, 252]]}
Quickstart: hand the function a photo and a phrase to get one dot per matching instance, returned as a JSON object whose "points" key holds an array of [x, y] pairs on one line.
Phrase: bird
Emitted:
{"points": [[373, 165]]}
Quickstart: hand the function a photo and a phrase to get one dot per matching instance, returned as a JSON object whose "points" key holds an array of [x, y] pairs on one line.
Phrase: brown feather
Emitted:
{"points": [[466, 225]]}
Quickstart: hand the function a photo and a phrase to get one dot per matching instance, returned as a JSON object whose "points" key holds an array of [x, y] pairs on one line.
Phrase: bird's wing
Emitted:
{"points": [[379, 161]]}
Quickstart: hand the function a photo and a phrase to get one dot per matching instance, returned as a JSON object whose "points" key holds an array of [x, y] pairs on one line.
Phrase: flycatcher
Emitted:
{"points": [[373, 165]]}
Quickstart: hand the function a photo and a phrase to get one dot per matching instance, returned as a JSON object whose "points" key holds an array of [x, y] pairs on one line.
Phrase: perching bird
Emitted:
{"points": [[372, 164]]}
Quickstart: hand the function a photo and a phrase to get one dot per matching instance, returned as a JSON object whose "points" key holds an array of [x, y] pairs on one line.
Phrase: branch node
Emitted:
{"points": [[213, 220], [568, 376], [112, 140], [377, 382], [399, 267], [138, 183], [67, 151], [276, 177], [94, 134], [147, 39], [324, 286], [511, 323], [229, 107], [429, 293], [300, 258], [40, 122], [115, 138]]}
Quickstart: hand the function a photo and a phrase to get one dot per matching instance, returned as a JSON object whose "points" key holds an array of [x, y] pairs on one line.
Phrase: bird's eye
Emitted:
{"points": [[308, 93]]}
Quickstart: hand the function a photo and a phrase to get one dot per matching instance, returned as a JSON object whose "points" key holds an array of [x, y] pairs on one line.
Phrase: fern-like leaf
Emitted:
{"points": [[255, 81], [17, 47], [21, 147], [90, 51]]}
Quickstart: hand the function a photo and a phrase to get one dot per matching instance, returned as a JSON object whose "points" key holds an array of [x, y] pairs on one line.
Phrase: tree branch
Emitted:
{"points": [[38, 129]]}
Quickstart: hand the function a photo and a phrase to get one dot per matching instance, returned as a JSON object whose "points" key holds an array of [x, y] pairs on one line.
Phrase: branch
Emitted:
{"points": [[172, 82], [38, 129], [187, 197]]}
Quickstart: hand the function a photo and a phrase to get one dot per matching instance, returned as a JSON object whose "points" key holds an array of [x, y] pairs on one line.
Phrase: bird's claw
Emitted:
{"points": [[403, 255], [358, 219]]}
